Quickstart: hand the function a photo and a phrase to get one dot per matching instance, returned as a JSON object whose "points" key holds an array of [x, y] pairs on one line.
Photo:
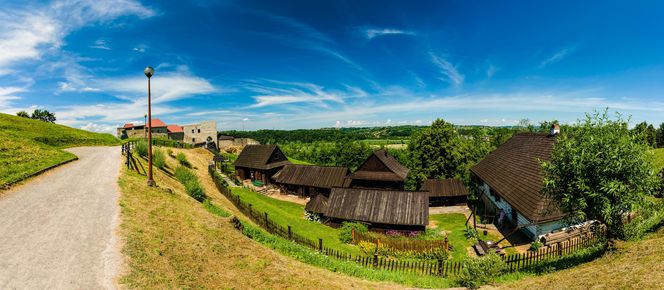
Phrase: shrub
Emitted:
{"points": [[183, 159], [480, 271], [312, 216], [169, 151], [191, 184], [141, 148], [470, 233], [535, 246], [650, 216], [346, 230], [158, 158]]}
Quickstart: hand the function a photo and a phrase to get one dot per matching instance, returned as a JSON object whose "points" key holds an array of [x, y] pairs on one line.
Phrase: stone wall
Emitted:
{"points": [[199, 133]]}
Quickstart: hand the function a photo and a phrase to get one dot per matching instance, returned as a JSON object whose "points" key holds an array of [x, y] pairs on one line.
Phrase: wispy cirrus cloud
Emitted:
{"points": [[557, 56], [272, 93], [101, 44], [165, 88], [448, 71], [371, 33]]}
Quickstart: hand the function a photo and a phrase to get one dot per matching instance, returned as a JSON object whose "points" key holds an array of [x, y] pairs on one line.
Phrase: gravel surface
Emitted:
{"points": [[58, 231]]}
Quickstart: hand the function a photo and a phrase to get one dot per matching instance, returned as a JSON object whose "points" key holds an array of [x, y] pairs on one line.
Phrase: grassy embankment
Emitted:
{"points": [[633, 265], [173, 241], [28, 146]]}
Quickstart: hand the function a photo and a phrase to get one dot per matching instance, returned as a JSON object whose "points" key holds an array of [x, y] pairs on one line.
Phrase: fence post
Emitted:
{"points": [[375, 260], [447, 245], [560, 249], [290, 237], [352, 232], [320, 244], [440, 264]]}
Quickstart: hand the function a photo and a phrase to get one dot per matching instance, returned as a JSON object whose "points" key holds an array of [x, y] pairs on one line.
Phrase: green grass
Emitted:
{"points": [[287, 213], [295, 161], [658, 161], [28, 146], [455, 224]]}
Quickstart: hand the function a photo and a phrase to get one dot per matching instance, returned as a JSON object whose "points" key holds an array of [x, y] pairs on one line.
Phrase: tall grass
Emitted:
{"points": [[191, 183], [158, 158], [183, 159]]}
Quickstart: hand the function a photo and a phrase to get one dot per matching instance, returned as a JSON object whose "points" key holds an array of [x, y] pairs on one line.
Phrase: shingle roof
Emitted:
{"points": [[317, 204], [390, 170], [312, 175], [449, 187], [513, 171], [156, 123], [174, 129], [262, 157], [128, 126], [379, 206]]}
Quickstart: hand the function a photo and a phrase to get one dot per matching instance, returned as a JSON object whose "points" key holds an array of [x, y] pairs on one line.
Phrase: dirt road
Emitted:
{"points": [[58, 230]]}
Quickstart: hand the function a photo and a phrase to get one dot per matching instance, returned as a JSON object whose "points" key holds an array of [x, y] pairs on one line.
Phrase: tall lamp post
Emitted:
{"points": [[149, 71]]}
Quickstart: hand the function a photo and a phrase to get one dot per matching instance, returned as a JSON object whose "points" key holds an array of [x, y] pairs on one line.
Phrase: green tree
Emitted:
{"points": [[599, 171], [23, 114], [660, 136], [438, 152], [43, 115]]}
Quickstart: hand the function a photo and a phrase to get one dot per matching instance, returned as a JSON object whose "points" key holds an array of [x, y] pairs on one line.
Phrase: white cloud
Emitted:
{"points": [[371, 33], [448, 71], [271, 92], [140, 49], [556, 57], [164, 88], [8, 94], [491, 71], [99, 128], [101, 44]]}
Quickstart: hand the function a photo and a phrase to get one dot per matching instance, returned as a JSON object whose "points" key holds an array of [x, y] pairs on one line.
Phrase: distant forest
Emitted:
{"points": [[326, 134]]}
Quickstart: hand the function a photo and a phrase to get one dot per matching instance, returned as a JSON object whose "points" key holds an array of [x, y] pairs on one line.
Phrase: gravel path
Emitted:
{"points": [[58, 231]]}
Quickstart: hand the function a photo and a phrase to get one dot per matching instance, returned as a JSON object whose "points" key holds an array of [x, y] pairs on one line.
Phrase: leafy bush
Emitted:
{"points": [[158, 158], [312, 216], [480, 271], [169, 151], [535, 246], [470, 233], [183, 159], [191, 184], [650, 215], [346, 230], [141, 148]]}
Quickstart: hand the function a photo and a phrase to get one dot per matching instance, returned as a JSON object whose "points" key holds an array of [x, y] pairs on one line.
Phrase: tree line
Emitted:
{"points": [[646, 134], [37, 114]]}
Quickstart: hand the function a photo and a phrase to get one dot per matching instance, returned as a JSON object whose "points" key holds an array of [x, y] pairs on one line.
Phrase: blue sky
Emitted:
{"points": [[310, 64]]}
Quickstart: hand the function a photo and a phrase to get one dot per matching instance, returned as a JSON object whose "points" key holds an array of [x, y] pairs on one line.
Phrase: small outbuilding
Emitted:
{"points": [[260, 162], [381, 209], [450, 191], [310, 180], [317, 204], [380, 170]]}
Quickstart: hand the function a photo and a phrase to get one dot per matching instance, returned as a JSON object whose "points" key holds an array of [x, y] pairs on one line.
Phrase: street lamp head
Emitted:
{"points": [[149, 71]]}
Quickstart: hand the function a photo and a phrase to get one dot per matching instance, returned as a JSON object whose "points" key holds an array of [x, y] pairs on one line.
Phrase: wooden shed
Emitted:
{"points": [[318, 204], [260, 162], [310, 180], [380, 170], [381, 209], [450, 191]]}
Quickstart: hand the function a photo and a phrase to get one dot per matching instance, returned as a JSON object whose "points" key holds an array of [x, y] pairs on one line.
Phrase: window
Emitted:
{"points": [[192, 131], [497, 198], [193, 140], [199, 130]]}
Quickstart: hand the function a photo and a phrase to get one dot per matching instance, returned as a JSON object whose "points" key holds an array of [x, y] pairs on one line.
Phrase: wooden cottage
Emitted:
{"points": [[259, 162], [511, 179], [450, 191], [317, 204], [381, 209], [310, 180], [380, 170]]}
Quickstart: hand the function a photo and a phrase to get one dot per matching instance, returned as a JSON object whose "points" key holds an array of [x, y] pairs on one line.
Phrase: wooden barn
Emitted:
{"points": [[310, 180], [380, 170], [317, 204], [381, 209], [260, 162], [450, 191], [510, 180]]}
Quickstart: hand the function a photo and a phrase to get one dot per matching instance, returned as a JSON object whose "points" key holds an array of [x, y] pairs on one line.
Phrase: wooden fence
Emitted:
{"points": [[431, 267], [164, 143]]}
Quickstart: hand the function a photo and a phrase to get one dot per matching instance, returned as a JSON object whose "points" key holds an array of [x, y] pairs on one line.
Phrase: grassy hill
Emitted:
{"points": [[173, 241], [28, 146]]}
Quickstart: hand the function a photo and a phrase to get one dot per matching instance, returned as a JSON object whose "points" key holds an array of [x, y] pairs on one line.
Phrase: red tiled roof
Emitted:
{"points": [[128, 125], [156, 123], [174, 129]]}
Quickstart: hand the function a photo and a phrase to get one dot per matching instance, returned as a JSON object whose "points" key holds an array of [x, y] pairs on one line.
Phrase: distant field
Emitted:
{"points": [[658, 161], [28, 146]]}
